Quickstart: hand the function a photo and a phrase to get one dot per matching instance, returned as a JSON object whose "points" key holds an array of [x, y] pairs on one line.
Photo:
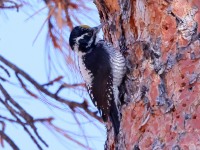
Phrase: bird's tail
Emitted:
{"points": [[115, 118]]}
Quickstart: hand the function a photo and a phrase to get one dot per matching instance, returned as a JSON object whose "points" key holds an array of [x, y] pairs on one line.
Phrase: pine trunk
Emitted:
{"points": [[160, 40]]}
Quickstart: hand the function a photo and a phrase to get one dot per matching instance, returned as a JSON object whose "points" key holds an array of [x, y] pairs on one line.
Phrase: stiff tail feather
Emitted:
{"points": [[115, 118]]}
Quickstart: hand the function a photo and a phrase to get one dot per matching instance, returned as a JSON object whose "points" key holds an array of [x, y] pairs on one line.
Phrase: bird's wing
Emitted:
{"points": [[101, 92]]}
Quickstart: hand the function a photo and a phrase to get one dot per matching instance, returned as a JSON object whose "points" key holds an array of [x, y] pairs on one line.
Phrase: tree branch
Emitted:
{"points": [[8, 140], [11, 110], [70, 104]]}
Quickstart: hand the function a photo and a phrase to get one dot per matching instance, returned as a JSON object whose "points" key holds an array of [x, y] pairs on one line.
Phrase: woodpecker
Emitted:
{"points": [[102, 67]]}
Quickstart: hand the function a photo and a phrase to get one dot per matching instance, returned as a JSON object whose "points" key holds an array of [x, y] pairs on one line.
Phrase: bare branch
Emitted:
{"points": [[14, 5], [8, 119], [20, 122], [8, 140], [23, 114], [65, 85], [24, 86], [53, 81], [3, 79], [6, 71], [70, 104], [34, 121]]}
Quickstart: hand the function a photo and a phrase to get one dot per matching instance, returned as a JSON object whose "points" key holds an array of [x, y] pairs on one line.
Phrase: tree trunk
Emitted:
{"points": [[160, 40]]}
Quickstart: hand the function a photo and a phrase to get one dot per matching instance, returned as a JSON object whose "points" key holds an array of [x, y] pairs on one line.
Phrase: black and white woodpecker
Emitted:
{"points": [[102, 68]]}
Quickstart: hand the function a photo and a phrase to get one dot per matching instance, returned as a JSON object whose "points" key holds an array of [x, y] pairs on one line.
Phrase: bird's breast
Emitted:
{"points": [[85, 72]]}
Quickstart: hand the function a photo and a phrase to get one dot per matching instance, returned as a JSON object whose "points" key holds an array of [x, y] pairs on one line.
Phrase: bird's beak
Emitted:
{"points": [[98, 28]]}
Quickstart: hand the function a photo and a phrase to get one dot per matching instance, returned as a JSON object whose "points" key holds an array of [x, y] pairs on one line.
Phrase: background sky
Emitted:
{"points": [[16, 44]]}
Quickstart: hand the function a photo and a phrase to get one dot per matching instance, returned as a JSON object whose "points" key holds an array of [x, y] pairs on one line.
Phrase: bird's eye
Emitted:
{"points": [[90, 33]]}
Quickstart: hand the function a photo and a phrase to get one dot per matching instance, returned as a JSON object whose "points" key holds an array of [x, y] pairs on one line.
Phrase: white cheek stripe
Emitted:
{"points": [[80, 37], [76, 46]]}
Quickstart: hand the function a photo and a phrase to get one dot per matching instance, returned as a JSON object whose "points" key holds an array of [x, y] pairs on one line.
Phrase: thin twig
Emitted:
{"points": [[15, 5], [8, 140], [4, 69], [34, 121], [3, 79], [23, 114], [24, 86], [20, 122], [65, 85], [8, 119], [53, 81]]}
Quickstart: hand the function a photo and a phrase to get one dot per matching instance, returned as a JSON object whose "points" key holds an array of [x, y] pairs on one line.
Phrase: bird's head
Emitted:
{"points": [[83, 37]]}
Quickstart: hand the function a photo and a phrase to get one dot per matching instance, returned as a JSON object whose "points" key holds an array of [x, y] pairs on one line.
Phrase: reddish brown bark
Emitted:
{"points": [[160, 39]]}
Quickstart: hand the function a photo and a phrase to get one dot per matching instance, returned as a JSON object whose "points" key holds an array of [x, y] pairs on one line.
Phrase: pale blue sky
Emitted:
{"points": [[16, 44]]}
